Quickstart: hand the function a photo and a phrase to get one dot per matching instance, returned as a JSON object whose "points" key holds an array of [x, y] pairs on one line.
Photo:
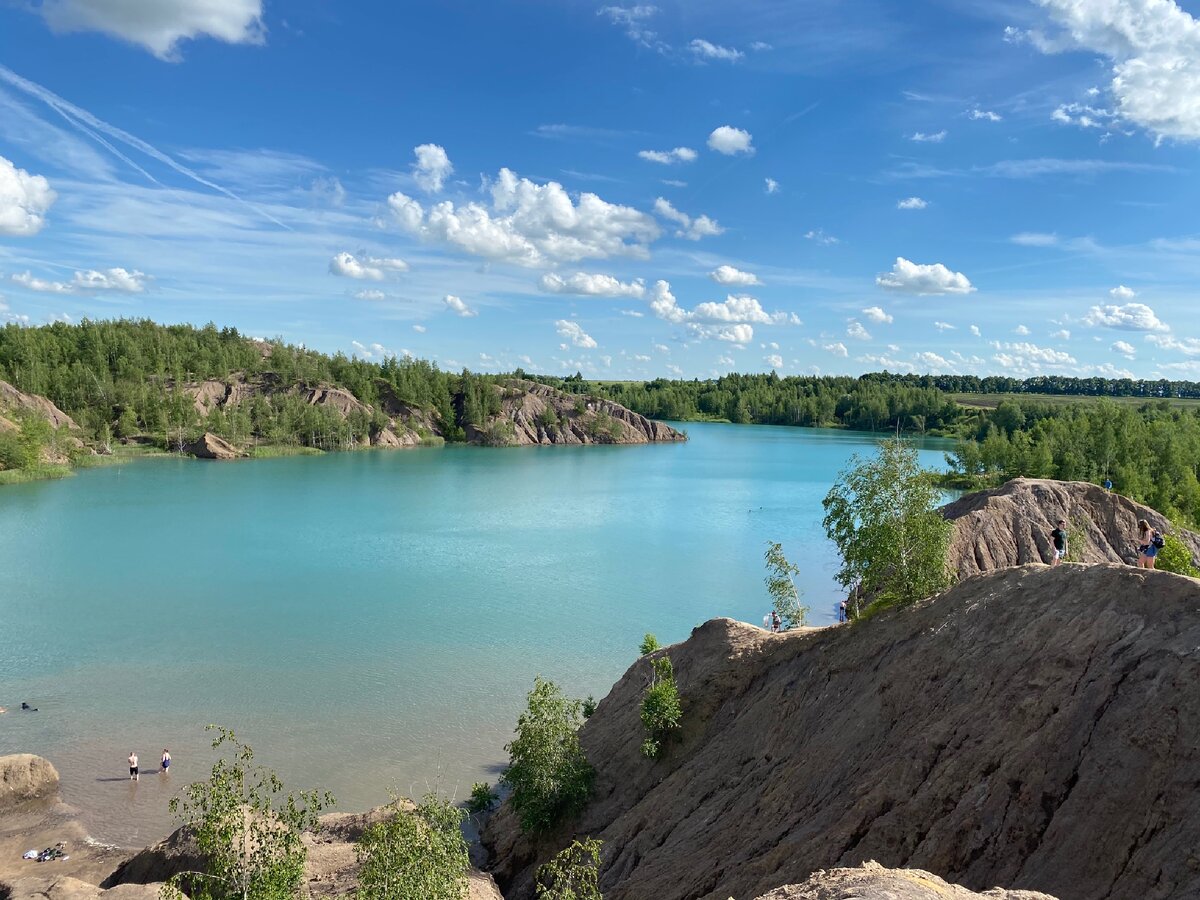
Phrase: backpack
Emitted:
{"points": [[1158, 541]]}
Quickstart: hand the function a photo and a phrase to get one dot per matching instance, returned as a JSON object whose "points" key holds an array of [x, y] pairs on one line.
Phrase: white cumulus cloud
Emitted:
{"points": [[29, 281], [837, 349], [432, 167], [703, 49], [459, 307], [368, 268], [1124, 348], [1186, 346], [24, 200], [1021, 330], [1120, 292], [573, 332], [914, 278], [855, 330], [735, 308], [876, 314], [159, 25], [771, 186], [590, 285], [775, 361], [922, 138], [944, 326], [1154, 48], [731, 275], [911, 203], [669, 157], [531, 224], [121, 280], [731, 141], [985, 114], [1127, 317], [691, 228]]}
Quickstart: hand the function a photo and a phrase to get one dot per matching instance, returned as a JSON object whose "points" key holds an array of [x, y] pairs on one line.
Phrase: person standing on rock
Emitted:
{"points": [[776, 622], [133, 766], [1059, 537], [1147, 545]]}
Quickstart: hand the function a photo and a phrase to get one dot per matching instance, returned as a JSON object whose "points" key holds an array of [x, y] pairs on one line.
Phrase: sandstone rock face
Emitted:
{"points": [[1010, 525], [872, 881], [12, 400], [1034, 727], [209, 446], [527, 407], [25, 777], [159, 862]]}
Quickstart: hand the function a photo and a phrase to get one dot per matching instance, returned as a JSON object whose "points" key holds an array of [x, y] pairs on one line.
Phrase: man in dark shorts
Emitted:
{"points": [[133, 766], [1059, 537]]}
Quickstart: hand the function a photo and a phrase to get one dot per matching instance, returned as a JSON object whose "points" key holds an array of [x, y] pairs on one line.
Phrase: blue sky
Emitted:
{"points": [[677, 189]]}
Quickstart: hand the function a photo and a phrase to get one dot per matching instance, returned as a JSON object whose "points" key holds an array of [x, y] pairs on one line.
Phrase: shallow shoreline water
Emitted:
{"points": [[371, 622]]}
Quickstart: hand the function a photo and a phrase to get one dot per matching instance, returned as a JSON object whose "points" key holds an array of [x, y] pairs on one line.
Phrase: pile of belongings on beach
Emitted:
{"points": [[58, 851]]}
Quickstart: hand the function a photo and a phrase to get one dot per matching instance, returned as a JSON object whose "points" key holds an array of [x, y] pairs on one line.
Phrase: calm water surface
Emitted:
{"points": [[372, 621]]}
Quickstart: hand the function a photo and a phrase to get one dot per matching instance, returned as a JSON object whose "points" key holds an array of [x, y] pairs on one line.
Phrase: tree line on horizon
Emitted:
{"points": [[121, 379]]}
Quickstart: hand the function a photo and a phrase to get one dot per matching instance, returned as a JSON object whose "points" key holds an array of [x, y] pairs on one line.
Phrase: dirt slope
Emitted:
{"points": [[872, 881], [1035, 728], [1010, 525]]}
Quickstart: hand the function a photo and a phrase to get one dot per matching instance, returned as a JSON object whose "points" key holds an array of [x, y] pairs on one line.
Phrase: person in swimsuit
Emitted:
{"points": [[166, 760], [133, 766]]}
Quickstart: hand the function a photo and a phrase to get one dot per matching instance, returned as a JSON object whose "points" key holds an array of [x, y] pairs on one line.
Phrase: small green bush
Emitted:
{"points": [[415, 855], [661, 709], [482, 798], [649, 644], [573, 874], [588, 707], [1175, 557], [548, 773]]}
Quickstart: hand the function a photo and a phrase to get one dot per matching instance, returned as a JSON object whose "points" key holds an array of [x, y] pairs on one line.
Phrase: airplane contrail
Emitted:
{"points": [[89, 125]]}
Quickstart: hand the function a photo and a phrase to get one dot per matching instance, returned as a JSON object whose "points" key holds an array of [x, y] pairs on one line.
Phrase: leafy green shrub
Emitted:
{"points": [[415, 855], [649, 644], [785, 596], [547, 419], [548, 773], [482, 798], [588, 707], [573, 874], [882, 514], [1175, 557], [246, 827], [661, 710]]}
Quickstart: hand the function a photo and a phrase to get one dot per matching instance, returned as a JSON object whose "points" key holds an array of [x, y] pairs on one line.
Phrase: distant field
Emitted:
{"points": [[991, 401]]}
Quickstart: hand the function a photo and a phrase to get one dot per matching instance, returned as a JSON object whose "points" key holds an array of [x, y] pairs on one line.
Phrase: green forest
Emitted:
{"points": [[120, 381]]}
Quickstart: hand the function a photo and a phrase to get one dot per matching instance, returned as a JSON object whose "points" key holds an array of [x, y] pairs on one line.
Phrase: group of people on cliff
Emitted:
{"points": [[1149, 541]]}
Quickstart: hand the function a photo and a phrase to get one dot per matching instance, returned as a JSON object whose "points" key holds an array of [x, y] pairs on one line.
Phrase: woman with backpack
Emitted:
{"points": [[1150, 541]]}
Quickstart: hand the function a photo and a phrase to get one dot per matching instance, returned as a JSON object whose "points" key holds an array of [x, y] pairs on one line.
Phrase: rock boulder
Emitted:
{"points": [[872, 881], [1010, 525], [210, 446], [25, 777]]}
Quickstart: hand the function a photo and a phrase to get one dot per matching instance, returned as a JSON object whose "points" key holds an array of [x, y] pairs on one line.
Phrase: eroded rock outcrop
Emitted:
{"points": [[872, 881], [25, 777], [14, 402], [534, 413], [1010, 525], [210, 446], [1033, 727]]}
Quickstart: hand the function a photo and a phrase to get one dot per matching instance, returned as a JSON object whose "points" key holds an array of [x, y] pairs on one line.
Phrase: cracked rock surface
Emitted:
{"points": [[1035, 728]]}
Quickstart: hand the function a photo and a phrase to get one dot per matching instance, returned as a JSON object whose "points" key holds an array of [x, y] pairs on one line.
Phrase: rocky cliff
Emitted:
{"points": [[1031, 727], [1010, 525], [872, 881], [533, 413], [15, 404]]}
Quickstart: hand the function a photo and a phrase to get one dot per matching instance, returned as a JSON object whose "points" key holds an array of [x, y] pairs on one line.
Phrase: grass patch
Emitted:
{"points": [[37, 473], [271, 451]]}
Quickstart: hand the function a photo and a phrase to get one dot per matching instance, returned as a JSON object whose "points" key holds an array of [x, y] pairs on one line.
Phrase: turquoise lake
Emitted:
{"points": [[371, 622]]}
